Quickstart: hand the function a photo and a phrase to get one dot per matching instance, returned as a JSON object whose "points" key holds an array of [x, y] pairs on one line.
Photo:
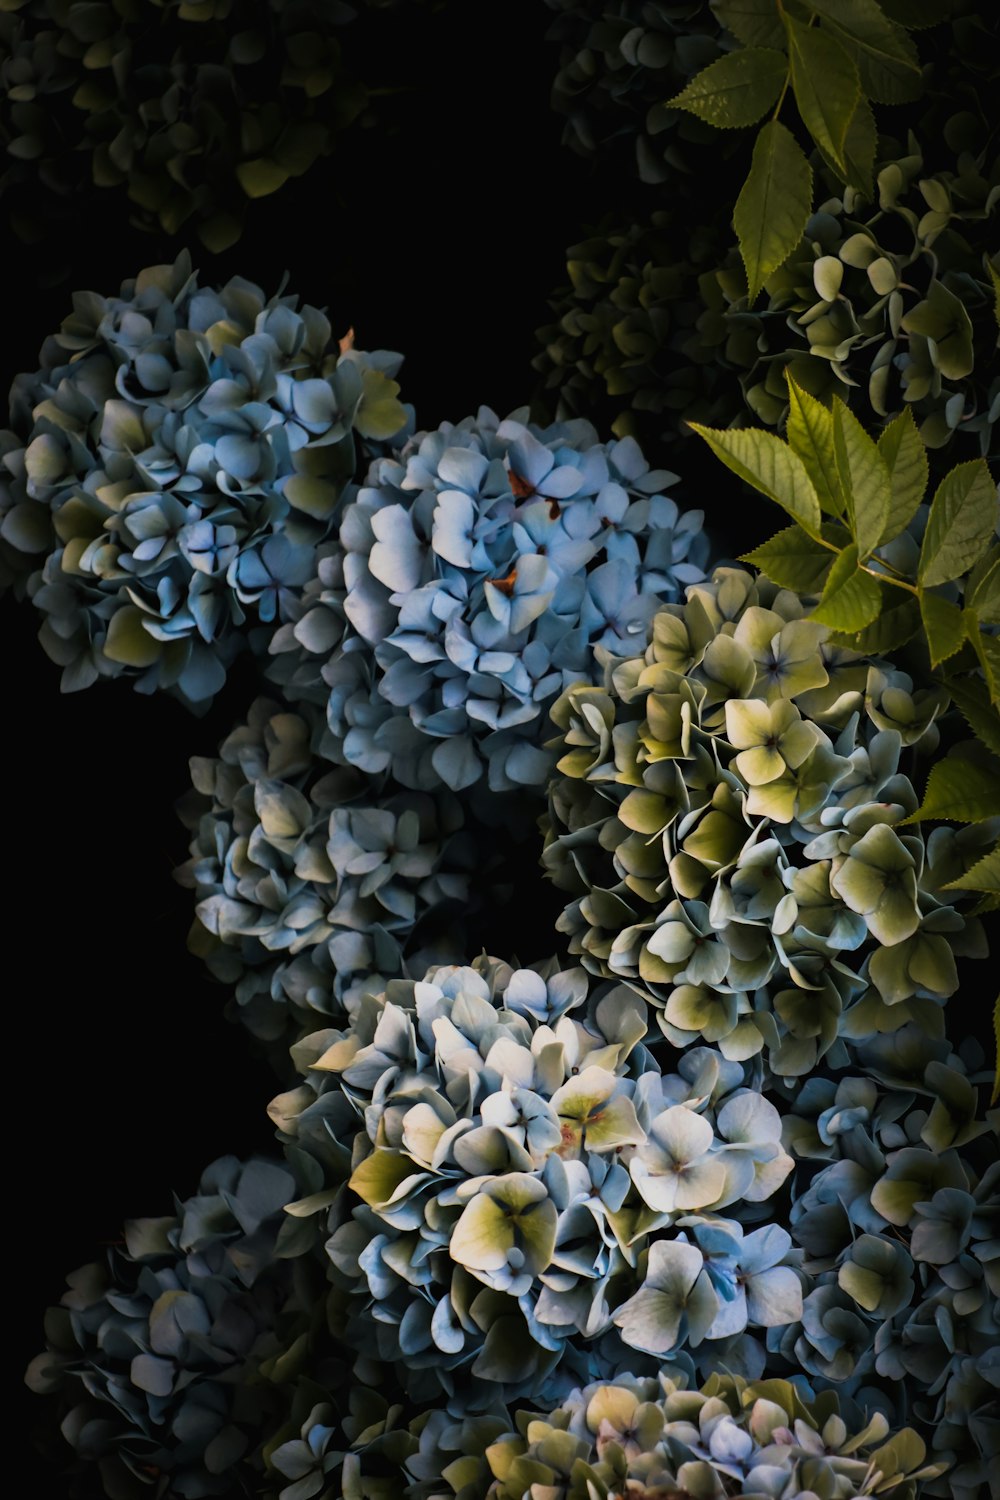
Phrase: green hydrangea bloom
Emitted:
{"points": [[727, 821]]}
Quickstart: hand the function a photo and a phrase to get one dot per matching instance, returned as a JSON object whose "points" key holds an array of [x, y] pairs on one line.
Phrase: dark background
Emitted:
{"points": [[439, 233]]}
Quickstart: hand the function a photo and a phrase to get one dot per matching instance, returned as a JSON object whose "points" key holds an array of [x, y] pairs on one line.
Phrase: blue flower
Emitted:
{"points": [[176, 460], [482, 568]]}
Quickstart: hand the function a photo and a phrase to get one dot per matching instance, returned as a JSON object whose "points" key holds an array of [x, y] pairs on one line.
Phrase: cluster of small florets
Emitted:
{"points": [[477, 573], [155, 1354], [312, 879], [898, 1228], [732, 825], [191, 110], [534, 1198], [171, 468]]}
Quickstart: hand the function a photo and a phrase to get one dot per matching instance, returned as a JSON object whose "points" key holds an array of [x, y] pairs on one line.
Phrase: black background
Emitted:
{"points": [[441, 238]]}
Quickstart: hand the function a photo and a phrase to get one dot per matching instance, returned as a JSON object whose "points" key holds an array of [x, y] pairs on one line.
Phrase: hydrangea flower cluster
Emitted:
{"points": [[899, 1231], [312, 881], [534, 1199], [193, 109], [627, 337], [729, 821], [636, 1437], [617, 67], [155, 1354], [887, 302], [172, 466], [479, 570]]}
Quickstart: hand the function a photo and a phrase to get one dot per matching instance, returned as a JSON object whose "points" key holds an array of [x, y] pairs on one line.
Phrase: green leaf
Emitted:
{"points": [[905, 456], [827, 88], [959, 791], [861, 146], [917, 14], [897, 622], [735, 90], [260, 177], [982, 590], [768, 464], [995, 278], [962, 519], [983, 876], [886, 58], [851, 598], [864, 479], [810, 435], [943, 625], [988, 650], [971, 698], [793, 560], [772, 209], [754, 22]]}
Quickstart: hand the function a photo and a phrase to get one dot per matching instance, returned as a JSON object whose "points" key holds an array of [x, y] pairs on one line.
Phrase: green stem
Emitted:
{"points": [[781, 96], [899, 583]]}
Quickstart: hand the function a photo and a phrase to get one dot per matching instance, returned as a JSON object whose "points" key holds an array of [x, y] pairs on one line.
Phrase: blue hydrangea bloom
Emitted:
{"points": [[172, 466], [524, 1199], [480, 568], [155, 1354]]}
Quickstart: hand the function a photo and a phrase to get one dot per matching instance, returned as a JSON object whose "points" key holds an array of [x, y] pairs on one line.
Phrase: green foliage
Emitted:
{"points": [[773, 206], [833, 57], [893, 573], [963, 792], [887, 301], [877, 493]]}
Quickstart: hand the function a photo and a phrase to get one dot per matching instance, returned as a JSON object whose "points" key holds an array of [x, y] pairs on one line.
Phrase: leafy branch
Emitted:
{"points": [[888, 570], [836, 58]]}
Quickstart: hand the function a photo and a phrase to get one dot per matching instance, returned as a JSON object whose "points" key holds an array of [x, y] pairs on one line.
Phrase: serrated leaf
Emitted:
{"points": [[764, 461], [861, 146], [987, 648], [895, 624], [735, 90], [982, 589], [793, 560], [851, 598], [864, 479], [972, 700], [902, 448], [810, 435], [995, 278], [943, 625], [754, 22], [887, 60], [826, 86], [963, 517], [959, 791], [984, 875], [773, 207]]}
